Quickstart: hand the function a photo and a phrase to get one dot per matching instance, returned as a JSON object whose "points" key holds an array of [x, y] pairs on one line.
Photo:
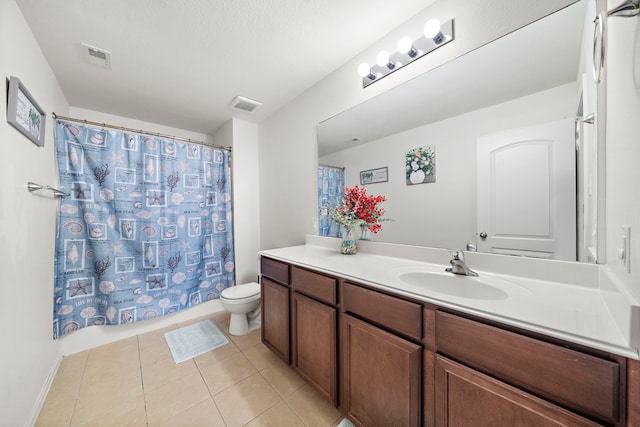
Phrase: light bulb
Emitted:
{"points": [[383, 58], [405, 45], [432, 30], [364, 70]]}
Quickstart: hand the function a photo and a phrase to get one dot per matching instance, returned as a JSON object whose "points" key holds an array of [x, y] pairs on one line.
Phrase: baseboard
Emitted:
{"points": [[95, 336], [42, 396]]}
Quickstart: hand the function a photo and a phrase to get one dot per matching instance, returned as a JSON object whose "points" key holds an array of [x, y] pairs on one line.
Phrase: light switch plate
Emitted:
{"points": [[626, 247]]}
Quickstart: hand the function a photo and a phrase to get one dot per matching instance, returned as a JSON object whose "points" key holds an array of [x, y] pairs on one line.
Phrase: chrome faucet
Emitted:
{"points": [[457, 264]]}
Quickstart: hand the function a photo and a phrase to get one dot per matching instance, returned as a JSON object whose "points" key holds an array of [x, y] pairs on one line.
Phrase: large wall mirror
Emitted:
{"points": [[514, 141]]}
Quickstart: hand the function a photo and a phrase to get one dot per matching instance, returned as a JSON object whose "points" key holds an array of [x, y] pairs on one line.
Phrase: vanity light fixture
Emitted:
{"points": [[435, 35]]}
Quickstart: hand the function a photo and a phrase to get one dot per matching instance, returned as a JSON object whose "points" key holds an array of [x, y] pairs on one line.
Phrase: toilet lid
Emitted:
{"points": [[241, 291]]}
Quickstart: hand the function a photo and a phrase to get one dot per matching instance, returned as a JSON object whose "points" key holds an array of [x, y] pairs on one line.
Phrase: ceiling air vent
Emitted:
{"points": [[97, 56], [245, 104]]}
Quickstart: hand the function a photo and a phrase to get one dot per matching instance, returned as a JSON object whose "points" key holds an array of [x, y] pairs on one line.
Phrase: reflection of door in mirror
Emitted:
{"points": [[587, 163], [330, 191], [527, 191]]}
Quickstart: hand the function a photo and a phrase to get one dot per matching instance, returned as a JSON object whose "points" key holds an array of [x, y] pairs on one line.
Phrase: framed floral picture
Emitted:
{"points": [[24, 113], [372, 176], [420, 165]]}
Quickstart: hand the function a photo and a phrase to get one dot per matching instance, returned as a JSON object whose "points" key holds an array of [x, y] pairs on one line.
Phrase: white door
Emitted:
{"points": [[527, 191]]}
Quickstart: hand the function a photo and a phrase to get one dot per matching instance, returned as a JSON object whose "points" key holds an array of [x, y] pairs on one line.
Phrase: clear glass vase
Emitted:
{"points": [[364, 232], [348, 245]]}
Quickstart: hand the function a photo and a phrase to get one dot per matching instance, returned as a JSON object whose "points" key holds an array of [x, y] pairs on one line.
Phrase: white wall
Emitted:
{"points": [[288, 199], [27, 229], [246, 203], [623, 146], [242, 136], [419, 211]]}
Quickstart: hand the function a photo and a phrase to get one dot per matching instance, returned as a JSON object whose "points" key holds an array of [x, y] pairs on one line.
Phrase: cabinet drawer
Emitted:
{"points": [[404, 317], [583, 383], [276, 270], [322, 288]]}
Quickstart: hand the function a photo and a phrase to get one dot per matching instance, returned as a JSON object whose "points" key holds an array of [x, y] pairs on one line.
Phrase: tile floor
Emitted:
{"points": [[135, 382]]}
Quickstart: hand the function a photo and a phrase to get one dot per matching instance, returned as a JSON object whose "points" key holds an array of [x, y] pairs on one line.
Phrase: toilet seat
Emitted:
{"points": [[239, 292]]}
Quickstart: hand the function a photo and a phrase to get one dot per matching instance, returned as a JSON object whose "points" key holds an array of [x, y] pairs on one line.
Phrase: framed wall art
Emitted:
{"points": [[420, 165], [24, 113], [372, 176]]}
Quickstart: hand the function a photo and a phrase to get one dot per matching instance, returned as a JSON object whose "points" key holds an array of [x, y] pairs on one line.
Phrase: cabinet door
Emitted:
{"points": [[275, 318], [314, 344], [382, 376], [465, 397]]}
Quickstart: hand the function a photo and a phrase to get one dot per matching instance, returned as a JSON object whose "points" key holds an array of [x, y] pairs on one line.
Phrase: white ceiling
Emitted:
{"points": [[180, 63]]}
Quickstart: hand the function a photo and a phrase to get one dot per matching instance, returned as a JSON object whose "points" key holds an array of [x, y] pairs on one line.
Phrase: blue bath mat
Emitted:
{"points": [[194, 340]]}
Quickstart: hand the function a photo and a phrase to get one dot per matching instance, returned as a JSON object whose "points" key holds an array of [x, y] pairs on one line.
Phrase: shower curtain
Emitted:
{"points": [[330, 191], [145, 231]]}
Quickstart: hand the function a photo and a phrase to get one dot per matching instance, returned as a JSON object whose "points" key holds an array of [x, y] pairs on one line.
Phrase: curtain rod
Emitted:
{"points": [[159, 135], [332, 167]]}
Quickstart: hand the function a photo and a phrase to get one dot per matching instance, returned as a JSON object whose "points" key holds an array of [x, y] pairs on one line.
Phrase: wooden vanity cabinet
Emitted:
{"points": [[275, 296], [387, 360], [382, 358], [314, 330]]}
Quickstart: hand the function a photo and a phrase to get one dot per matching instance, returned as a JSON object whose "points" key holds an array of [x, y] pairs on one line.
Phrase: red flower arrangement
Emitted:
{"points": [[358, 208]]}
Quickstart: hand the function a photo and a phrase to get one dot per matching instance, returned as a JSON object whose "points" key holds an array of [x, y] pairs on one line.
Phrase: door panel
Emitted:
{"points": [[275, 318], [382, 376], [527, 191], [314, 340]]}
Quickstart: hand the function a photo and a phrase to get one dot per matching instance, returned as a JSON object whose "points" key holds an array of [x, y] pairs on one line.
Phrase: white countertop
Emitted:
{"points": [[570, 312]]}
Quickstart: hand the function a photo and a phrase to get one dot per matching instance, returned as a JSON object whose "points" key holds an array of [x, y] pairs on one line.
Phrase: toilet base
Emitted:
{"points": [[241, 324]]}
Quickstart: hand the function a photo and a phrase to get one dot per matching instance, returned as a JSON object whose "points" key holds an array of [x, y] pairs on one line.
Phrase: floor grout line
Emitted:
{"points": [[144, 394], [245, 346]]}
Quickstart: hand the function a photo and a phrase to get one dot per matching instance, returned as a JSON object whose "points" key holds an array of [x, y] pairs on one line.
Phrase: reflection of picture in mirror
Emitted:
{"points": [[373, 176], [420, 165]]}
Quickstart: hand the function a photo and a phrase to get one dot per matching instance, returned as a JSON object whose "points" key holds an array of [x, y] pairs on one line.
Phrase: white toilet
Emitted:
{"points": [[243, 302]]}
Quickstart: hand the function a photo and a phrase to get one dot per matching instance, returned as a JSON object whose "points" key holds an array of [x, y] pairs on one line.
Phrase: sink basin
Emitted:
{"points": [[483, 287]]}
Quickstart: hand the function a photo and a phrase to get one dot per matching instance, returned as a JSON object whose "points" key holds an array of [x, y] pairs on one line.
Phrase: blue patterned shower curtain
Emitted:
{"points": [[330, 191], [145, 231]]}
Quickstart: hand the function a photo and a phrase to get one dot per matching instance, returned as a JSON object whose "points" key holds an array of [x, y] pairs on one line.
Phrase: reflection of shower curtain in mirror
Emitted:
{"points": [[146, 230], [330, 191]]}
